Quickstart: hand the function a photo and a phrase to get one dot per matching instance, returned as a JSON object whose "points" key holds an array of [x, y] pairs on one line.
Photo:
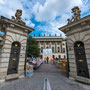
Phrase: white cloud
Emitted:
{"points": [[53, 12], [1, 1], [53, 8], [8, 8], [29, 23]]}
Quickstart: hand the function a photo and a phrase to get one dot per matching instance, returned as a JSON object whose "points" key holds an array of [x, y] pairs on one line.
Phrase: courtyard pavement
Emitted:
{"points": [[57, 78]]}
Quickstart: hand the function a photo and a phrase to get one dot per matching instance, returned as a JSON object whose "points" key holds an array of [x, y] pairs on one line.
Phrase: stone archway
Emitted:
{"points": [[14, 58], [81, 61]]}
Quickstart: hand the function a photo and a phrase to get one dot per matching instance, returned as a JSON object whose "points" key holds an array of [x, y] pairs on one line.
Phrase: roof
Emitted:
{"points": [[50, 38], [6, 20], [74, 23]]}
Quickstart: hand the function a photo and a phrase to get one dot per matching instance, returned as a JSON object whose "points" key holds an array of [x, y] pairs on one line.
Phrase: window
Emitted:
{"points": [[53, 56], [47, 43], [41, 43], [58, 49], [64, 57], [63, 50], [53, 49], [41, 49], [63, 44], [59, 56], [53, 43], [41, 56], [58, 43]]}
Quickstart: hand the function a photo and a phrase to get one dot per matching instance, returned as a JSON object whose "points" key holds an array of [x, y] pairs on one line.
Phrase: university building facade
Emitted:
{"points": [[56, 43]]}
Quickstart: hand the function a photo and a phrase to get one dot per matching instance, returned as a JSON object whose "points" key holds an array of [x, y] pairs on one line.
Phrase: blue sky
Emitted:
{"points": [[45, 16]]}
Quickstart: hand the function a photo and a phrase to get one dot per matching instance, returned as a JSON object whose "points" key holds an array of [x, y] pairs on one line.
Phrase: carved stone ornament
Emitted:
{"points": [[18, 15], [69, 20], [77, 13], [13, 18]]}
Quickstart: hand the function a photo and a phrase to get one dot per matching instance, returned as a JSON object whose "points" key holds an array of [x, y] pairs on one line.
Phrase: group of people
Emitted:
{"points": [[46, 60]]}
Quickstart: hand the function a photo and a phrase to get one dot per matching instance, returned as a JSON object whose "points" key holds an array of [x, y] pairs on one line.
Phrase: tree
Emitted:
{"points": [[32, 47]]}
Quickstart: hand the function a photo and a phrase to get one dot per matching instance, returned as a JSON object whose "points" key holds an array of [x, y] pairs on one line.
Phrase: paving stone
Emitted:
{"points": [[56, 76]]}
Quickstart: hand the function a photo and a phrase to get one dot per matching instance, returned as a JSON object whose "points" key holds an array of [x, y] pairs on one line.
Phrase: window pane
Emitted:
{"points": [[53, 49], [63, 50], [41, 49]]}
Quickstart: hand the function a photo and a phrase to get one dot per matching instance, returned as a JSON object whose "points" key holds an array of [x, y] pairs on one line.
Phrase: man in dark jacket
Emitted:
{"points": [[47, 60]]}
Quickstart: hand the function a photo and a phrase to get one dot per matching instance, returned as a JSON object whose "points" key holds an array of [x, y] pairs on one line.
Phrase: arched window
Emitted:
{"points": [[58, 49], [53, 49], [41, 49]]}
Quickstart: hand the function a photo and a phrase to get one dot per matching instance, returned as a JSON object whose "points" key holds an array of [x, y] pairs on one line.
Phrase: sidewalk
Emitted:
{"points": [[57, 78]]}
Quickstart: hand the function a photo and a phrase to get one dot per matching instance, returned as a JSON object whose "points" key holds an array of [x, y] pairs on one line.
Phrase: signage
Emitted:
{"points": [[47, 52]]}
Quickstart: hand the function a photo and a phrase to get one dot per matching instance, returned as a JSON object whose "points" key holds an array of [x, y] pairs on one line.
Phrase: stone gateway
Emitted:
{"points": [[78, 46], [13, 46]]}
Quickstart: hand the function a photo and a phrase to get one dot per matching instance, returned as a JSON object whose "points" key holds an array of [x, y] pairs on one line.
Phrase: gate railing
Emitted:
{"points": [[46, 85]]}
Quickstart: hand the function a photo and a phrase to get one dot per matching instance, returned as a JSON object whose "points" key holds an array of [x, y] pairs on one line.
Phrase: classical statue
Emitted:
{"points": [[13, 18], [69, 20], [18, 15], [76, 11]]}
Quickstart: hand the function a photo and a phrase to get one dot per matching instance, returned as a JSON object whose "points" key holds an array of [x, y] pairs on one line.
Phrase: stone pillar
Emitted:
{"points": [[61, 46], [50, 45], [55, 47], [15, 33], [44, 44]]}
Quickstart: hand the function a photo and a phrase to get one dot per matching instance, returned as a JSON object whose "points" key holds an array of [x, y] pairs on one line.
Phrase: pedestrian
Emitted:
{"points": [[47, 60], [56, 59], [32, 58]]}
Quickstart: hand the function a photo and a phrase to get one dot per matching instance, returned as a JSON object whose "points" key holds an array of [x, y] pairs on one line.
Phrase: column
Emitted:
{"points": [[55, 47], [61, 46], [50, 45], [44, 44]]}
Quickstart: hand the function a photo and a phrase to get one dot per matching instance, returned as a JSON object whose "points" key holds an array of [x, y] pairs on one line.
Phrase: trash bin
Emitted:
{"points": [[29, 70]]}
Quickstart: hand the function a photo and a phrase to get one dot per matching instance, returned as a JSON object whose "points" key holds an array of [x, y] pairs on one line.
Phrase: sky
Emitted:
{"points": [[45, 16]]}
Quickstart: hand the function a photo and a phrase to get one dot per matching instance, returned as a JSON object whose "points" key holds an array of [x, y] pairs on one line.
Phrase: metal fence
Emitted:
{"points": [[46, 85]]}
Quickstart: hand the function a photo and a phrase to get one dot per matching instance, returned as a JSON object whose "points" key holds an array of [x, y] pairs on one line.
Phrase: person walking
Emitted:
{"points": [[47, 60]]}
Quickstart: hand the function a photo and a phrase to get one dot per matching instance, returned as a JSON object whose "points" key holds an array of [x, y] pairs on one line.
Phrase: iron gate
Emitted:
{"points": [[14, 58], [81, 62]]}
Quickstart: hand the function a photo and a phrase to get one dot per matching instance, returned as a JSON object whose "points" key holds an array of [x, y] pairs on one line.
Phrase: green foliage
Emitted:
{"points": [[32, 47]]}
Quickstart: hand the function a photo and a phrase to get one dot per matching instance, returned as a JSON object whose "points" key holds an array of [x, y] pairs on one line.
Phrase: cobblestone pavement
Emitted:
{"points": [[57, 78]]}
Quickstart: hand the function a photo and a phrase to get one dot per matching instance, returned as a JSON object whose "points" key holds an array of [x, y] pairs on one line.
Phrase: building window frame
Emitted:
{"points": [[63, 50], [41, 49], [52, 49], [58, 48]]}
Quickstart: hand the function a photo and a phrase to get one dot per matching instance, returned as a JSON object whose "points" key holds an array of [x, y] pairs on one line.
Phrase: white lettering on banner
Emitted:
{"points": [[47, 52]]}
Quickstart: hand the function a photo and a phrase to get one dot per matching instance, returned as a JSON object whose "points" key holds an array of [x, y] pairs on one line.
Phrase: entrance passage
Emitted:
{"points": [[81, 62], [14, 58]]}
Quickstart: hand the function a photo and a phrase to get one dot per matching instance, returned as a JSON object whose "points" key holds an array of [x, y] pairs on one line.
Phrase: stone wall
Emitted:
{"points": [[80, 33], [13, 35]]}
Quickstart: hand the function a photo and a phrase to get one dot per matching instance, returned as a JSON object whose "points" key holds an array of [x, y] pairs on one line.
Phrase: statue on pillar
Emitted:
{"points": [[77, 13], [18, 15]]}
